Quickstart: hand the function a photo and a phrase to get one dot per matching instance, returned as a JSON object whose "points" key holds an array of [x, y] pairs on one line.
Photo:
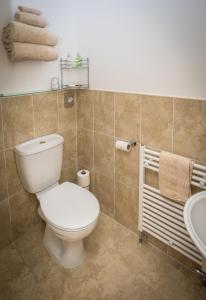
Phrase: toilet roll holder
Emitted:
{"points": [[132, 143]]}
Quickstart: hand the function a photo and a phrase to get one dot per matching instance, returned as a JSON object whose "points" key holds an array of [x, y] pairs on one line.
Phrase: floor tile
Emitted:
{"points": [[16, 280], [30, 246], [116, 267], [169, 278]]}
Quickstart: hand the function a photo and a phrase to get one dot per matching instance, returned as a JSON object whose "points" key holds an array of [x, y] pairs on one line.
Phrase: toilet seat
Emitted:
{"points": [[69, 207]]}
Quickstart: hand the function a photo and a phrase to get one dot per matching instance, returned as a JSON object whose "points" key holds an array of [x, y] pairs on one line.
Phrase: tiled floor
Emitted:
{"points": [[116, 268]]}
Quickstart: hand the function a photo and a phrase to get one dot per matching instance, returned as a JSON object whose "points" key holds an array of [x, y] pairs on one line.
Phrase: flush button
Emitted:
{"points": [[42, 142]]}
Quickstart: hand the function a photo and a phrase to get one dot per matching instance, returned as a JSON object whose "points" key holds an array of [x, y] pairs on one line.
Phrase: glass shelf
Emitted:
{"points": [[67, 82], [3, 96]]}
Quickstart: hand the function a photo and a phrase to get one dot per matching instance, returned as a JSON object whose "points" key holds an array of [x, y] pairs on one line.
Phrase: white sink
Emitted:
{"points": [[195, 220]]}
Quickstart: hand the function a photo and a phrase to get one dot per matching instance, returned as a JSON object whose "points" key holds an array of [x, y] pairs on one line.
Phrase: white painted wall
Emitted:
{"points": [[33, 76], [150, 46]]}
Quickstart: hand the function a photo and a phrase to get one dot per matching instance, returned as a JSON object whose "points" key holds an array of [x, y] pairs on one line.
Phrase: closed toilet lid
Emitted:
{"points": [[69, 207]]}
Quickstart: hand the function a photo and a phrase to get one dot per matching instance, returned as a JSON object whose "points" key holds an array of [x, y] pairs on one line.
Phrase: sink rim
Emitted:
{"points": [[188, 223]]}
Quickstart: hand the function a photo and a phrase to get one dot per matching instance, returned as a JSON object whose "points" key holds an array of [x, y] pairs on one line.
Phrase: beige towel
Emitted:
{"points": [[25, 51], [19, 32], [30, 19], [29, 10], [175, 176]]}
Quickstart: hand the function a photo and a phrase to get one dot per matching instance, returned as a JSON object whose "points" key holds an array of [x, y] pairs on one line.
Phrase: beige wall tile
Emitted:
{"points": [[126, 166], [70, 173], [5, 229], [3, 187], [152, 240], [45, 113], [85, 109], [24, 212], [157, 118], [17, 120], [67, 115], [70, 149], [104, 191], [127, 116], [1, 129], [85, 145], [181, 258], [190, 128], [92, 177], [104, 112], [14, 183], [126, 206], [104, 155]]}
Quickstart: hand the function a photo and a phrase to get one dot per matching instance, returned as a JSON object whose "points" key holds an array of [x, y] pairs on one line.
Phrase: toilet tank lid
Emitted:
{"points": [[39, 144]]}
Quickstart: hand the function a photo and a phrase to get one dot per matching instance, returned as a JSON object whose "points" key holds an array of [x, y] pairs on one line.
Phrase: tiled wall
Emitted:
{"points": [[21, 119], [90, 128], [176, 125]]}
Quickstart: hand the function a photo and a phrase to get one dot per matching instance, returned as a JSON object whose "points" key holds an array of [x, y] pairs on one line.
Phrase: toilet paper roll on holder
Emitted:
{"points": [[130, 143]]}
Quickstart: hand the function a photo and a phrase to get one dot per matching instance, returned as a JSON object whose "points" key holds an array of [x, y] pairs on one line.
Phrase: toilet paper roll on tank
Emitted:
{"points": [[83, 178]]}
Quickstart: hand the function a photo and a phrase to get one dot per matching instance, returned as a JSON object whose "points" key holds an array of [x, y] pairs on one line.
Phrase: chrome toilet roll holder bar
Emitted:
{"points": [[132, 143]]}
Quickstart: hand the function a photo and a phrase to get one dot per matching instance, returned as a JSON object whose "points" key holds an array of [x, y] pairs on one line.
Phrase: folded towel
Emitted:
{"points": [[175, 174], [26, 51], [29, 10], [19, 32], [30, 19]]}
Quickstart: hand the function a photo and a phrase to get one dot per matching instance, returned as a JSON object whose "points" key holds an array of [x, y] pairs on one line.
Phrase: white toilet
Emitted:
{"points": [[70, 212]]}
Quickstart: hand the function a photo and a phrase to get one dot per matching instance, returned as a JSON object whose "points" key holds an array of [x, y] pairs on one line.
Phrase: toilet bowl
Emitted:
{"points": [[70, 211], [71, 214]]}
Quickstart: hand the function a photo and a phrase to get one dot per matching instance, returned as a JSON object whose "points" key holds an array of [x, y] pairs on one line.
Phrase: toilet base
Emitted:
{"points": [[68, 254]]}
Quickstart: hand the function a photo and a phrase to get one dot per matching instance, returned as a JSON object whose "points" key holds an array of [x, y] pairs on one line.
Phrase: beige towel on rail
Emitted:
{"points": [[29, 10], [175, 176], [19, 32], [25, 51], [30, 19]]}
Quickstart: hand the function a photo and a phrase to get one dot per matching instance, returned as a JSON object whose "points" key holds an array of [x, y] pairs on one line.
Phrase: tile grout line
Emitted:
{"points": [[66, 130], [8, 196], [6, 176], [93, 135], [2, 124], [58, 126], [138, 160], [15, 194], [173, 122], [140, 121], [76, 129], [114, 194], [33, 118], [101, 133]]}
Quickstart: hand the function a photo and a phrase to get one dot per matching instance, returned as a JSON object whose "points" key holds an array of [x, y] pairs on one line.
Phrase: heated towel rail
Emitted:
{"points": [[162, 217]]}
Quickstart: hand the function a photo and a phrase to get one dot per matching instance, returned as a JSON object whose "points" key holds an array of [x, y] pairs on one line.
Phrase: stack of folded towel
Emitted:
{"points": [[27, 39]]}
